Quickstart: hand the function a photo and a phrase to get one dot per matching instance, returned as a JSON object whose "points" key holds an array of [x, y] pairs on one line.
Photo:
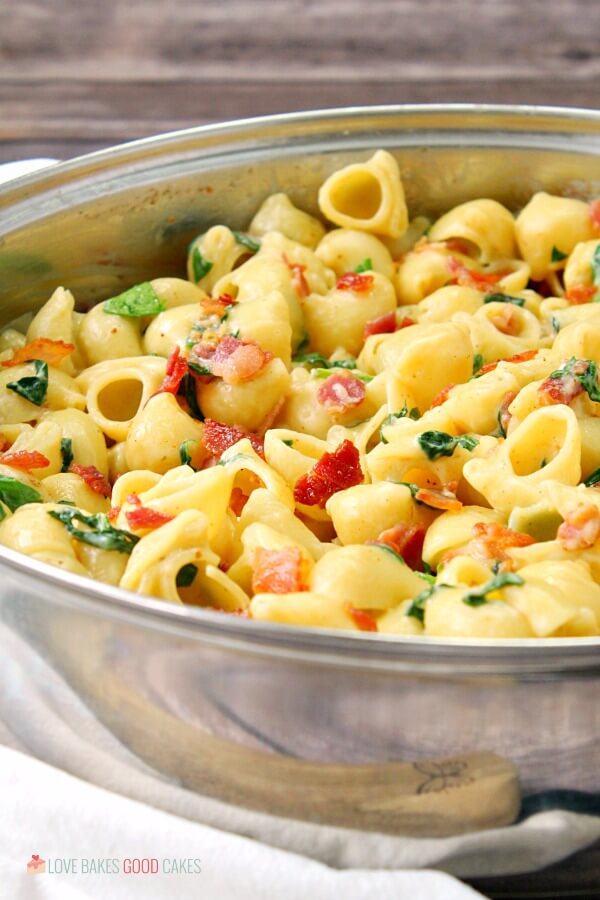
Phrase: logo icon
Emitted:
{"points": [[36, 865]]}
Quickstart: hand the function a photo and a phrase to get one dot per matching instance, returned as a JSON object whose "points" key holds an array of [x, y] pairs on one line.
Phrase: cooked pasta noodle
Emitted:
{"points": [[361, 421]]}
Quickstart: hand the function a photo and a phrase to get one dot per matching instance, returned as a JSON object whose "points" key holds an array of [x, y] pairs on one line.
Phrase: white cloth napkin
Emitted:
{"points": [[128, 810]]}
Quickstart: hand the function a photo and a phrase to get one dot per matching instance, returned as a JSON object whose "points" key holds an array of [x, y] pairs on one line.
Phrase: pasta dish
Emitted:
{"points": [[386, 424]]}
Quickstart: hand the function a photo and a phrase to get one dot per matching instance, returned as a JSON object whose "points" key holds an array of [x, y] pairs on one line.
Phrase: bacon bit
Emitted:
{"points": [[25, 459], [51, 352], [334, 472], [381, 325], [406, 323], [442, 499], [270, 417], [218, 438], [563, 388], [341, 392], [517, 358], [113, 514], [406, 540], [581, 528], [232, 360], [298, 280], [217, 305], [581, 293], [466, 277], [177, 368], [237, 501], [94, 479], [504, 416], [363, 620], [279, 571], [442, 396], [505, 319], [356, 282], [4, 443], [490, 542], [595, 213], [145, 517]]}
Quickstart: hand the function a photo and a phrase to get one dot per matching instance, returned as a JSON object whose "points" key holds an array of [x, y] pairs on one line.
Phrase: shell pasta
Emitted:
{"points": [[360, 421]]}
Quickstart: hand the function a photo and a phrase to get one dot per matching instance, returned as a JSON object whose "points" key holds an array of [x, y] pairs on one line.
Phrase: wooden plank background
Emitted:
{"points": [[80, 74]]}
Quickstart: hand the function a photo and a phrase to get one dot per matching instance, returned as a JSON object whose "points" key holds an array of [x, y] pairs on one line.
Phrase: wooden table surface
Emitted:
{"points": [[77, 75]]}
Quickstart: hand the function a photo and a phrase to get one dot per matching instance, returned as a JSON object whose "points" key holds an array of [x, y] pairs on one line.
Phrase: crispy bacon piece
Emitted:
{"points": [[381, 325], [581, 528], [51, 352], [177, 368], [407, 540], [218, 437], [504, 416], [25, 459], [581, 293], [279, 571], [341, 392], [595, 214], [362, 619], [334, 472], [4, 443], [145, 517], [517, 358], [299, 281], [217, 305], [490, 542], [356, 282], [565, 387], [466, 277], [443, 498], [442, 396], [505, 319], [237, 501], [94, 479], [232, 360]]}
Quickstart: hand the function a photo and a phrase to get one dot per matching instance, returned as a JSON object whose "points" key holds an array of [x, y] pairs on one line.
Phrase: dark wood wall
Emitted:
{"points": [[80, 74]]}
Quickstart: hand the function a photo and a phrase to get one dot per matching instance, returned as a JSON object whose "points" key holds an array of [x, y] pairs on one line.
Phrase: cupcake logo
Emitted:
{"points": [[36, 865]]}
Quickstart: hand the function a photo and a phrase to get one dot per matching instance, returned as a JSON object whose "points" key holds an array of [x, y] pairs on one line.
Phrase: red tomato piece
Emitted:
{"points": [[362, 619], [113, 513], [355, 282], [406, 323], [94, 479], [218, 437], [217, 305], [279, 571], [581, 528], [25, 459], [442, 396], [581, 293], [145, 517], [177, 368], [237, 501], [406, 540], [51, 352], [505, 319], [595, 213], [469, 278], [517, 358], [334, 472], [341, 392], [381, 325]]}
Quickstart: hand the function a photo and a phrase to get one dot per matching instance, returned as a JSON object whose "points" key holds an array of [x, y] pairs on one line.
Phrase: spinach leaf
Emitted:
{"points": [[478, 596], [101, 533], [438, 443], [557, 255], [555, 324], [316, 359], [13, 493], [187, 390], [596, 266], [417, 607], [200, 265], [198, 368], [66, 452], [390, 550], [140, 300], [585, 371], [186, 575], [33, 387], [593, 479], [477, 362], [365, 266], [288, 442], [325, 373], [504, 298], [246, 241], [185, 454], [392, 418]]}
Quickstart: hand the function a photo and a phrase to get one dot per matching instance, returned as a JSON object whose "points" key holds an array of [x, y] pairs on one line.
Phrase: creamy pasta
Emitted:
{"points": [[368, 422]]}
